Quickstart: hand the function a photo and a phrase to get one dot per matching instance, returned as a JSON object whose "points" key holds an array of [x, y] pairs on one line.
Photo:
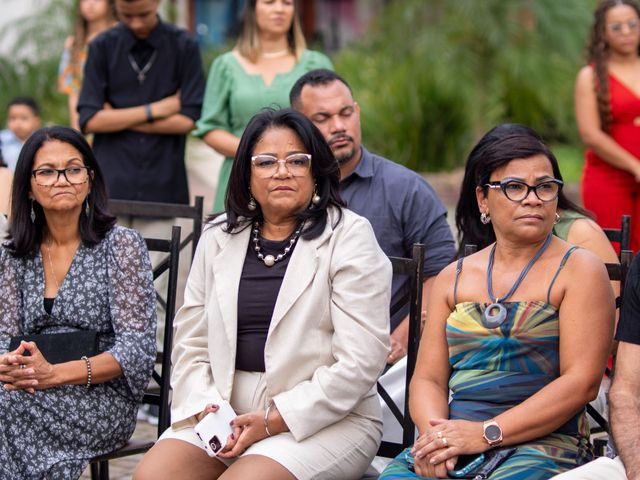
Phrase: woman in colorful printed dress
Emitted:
{"points": [[92, 17], [259, 72], [517, 340]]}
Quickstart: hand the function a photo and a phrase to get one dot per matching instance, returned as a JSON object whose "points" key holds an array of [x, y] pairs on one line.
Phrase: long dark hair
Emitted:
{"points": [[324, 170], [598, 55], [25, 236], [498, 147]]}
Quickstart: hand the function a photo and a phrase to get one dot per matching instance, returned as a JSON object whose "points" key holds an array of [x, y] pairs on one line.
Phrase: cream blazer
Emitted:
{"points": [[329, 334]]}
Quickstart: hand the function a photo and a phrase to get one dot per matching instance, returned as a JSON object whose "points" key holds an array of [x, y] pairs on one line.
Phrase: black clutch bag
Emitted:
{"points": [[61, 347]]}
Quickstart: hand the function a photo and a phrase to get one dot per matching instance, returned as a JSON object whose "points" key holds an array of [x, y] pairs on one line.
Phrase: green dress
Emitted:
{"points": [[561, 229], [233, 96]]}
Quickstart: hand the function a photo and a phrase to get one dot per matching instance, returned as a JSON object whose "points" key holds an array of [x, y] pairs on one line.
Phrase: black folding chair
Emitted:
{"points": [[194, 212], [617, 272], [413, 269], [621, 235], [158, 395]]}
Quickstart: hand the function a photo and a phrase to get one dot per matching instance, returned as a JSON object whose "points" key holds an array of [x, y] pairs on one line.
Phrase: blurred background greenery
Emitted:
{"points": [[431, 76]]}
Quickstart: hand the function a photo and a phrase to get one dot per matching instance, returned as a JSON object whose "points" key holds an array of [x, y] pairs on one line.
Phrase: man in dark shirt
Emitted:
{"points": [[400, 205], [142, 92]]}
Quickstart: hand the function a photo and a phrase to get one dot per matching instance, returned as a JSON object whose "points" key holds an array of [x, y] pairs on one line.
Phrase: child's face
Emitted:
{"points": [[22, 121]]}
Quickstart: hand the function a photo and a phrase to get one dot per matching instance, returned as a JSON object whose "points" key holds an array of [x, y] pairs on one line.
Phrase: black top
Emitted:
{"points": [[257, 295], [629, 324], [48, 304], [141, 166]]}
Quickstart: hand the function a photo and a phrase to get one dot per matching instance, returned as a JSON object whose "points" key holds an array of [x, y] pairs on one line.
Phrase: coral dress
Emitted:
{"points": [[608, 191]]}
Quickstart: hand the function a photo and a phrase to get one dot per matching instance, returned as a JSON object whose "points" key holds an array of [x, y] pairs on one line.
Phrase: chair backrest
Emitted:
{"points": [[617, 272], [154, 396], [620, 235], [194, 212], [414, 270]]}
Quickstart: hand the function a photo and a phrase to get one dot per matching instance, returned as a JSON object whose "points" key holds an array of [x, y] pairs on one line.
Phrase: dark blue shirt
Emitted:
{"points": [[142, 166], [629, 324], [403, 209]]}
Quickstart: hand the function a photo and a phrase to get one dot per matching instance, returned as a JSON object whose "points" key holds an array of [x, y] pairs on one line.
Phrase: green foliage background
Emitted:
{"points": [[431, 76], [31, 68]]}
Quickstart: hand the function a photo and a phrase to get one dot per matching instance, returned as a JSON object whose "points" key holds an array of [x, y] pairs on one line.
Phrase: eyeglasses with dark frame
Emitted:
{"points": [[47, 177], [517, 191], [297, 164]]}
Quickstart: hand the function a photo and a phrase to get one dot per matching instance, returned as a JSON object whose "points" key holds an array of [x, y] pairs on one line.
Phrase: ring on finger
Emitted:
{"points": [[439, 434], [22, 365], [444, 442]]}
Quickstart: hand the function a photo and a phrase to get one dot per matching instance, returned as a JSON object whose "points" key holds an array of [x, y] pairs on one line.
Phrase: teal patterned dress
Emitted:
{"points": [[496, 369]]}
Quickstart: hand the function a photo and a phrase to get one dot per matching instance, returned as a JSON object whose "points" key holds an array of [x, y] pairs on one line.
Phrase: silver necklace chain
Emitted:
{"points": [[142, 72], [270, 260]]}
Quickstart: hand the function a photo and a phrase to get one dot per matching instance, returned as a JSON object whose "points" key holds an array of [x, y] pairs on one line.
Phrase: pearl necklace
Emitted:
{"points": [[270, 260]]}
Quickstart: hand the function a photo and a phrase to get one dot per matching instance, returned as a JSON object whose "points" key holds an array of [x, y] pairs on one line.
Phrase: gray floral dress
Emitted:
{"points": [[109, 288]]}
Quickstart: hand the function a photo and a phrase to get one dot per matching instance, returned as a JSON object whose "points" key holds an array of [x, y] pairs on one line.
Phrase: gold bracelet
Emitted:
{"points": [[88, 362], [266, 418]]}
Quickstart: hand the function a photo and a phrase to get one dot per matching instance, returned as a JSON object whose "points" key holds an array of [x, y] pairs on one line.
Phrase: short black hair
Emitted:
{"points": [[324, 170], [25, 235], [319, 76], [27, 102]]}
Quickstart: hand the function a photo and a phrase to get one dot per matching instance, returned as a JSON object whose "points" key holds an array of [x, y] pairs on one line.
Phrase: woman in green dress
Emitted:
{"points": [[259, 72]]}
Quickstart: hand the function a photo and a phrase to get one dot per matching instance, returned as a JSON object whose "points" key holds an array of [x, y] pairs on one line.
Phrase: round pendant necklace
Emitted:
{"points": [[270, 260], [496, 313]]}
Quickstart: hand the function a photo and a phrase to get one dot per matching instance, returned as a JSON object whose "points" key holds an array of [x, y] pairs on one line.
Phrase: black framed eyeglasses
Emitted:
{"points": [[517, 191], [46, 177]]}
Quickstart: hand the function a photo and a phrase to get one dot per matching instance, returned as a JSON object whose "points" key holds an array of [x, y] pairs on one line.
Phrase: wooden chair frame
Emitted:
{"points": [[621, 235], [194, 212], [158, 396], [617, 272], [413, 268]]}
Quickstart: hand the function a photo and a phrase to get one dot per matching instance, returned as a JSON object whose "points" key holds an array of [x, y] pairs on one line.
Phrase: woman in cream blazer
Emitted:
{"points": [[327, 340]]}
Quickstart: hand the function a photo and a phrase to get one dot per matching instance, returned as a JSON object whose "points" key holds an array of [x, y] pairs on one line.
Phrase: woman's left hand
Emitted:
{"points": [[458, 437], [248, 429], [32, 372]]}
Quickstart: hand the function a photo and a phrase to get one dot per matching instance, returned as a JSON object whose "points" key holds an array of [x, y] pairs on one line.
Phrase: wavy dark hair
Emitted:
{"points": [[25, 236], [496, 148], [598, 55], [324, 170]]}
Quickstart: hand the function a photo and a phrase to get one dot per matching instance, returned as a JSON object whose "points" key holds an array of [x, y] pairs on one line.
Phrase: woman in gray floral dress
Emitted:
{"points": [[66, 267]]}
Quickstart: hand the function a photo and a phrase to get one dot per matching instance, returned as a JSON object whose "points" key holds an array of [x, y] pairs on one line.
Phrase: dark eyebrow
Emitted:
{"points": [[544, 178]]}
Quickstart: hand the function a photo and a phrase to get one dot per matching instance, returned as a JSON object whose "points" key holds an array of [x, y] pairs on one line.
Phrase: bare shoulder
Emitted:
{"points": [[585, 265], [585, 75], [69, 42], [587, 234]]}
